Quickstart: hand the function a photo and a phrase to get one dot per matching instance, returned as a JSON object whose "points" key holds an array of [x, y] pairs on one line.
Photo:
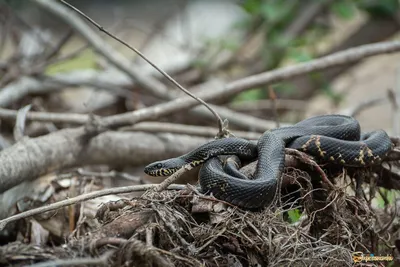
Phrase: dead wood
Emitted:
{"points": [[66, 148]]}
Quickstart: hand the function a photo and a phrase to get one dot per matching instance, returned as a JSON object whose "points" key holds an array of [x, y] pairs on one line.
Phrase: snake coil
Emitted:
{"points": [[334, 139]]}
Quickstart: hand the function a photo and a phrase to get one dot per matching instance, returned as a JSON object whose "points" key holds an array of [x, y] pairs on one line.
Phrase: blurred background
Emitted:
{"points": [[201, 41]]}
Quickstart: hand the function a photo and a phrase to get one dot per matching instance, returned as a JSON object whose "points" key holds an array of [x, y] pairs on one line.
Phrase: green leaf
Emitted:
{"points": [[251, 6], [294, 215], [344, 9]]}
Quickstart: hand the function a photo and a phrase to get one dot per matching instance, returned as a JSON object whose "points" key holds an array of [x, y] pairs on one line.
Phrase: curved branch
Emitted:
{"points": [[348, 56]]}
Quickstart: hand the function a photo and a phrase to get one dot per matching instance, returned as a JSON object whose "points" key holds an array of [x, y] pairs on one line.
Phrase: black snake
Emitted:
{"points": [[333, 139]]}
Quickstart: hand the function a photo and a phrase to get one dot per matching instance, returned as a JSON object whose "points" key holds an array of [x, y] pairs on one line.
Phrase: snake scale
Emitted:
{"points": [[335, 139]]}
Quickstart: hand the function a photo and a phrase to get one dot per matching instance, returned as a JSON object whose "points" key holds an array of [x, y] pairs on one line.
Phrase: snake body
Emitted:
{"points": [[335, 139]]}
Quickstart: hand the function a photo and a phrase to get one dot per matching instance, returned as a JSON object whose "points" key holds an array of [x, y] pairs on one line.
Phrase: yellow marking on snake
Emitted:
{"points": [[166, 172], [318, 145], [223, 187], [195, 163], [369, 152], [371, 155], [304, 147], [361, 156]]}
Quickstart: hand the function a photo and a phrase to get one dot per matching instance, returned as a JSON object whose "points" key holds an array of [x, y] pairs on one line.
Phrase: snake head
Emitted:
{"points": [[164, 167]]}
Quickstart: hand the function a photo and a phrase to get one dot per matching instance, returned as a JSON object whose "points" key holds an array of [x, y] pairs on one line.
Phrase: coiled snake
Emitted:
{"points": [[335, 139]]}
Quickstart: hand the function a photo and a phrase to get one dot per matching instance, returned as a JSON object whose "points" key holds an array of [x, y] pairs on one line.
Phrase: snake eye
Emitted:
{"points": [[159, 166]]}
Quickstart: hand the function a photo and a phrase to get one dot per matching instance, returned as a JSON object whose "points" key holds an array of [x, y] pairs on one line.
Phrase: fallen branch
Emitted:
{"points": [[152, 127], [34, 157], [348, 56], [109, 81], [233, 88]]}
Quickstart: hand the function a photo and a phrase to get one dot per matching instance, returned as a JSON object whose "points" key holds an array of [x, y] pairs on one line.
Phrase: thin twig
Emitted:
{"points": [[171, 227], [37, 103], [156, 127], [105, 86], [158, 26], [306, 159], [189, 262], [69, 56], [84, 197], [394, 216], [59, 45], [100, 261], [211, 240], [114, 57], [167, 182], [152, 127], [73, 118], [21, 20], [102, 29]]}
